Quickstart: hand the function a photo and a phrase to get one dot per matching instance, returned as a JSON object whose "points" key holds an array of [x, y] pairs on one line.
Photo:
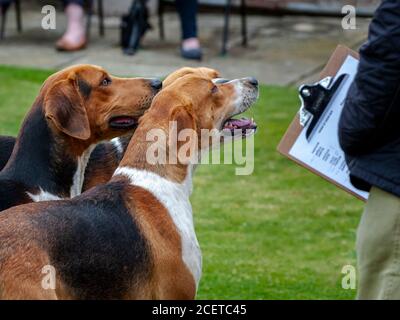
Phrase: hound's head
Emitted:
{"points": [[88, 104]]}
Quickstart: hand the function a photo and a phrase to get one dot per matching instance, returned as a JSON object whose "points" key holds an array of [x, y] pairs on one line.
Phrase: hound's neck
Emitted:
{"points": [[43, 163], [138, 157], [158, 184], [174, 196]]}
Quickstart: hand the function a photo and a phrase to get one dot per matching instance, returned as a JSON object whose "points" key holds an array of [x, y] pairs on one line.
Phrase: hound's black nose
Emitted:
{"points": [[253, 81], [156, 84]]}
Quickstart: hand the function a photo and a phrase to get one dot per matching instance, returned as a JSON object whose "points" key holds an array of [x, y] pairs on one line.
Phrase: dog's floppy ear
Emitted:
{"points": [[184, 144], [208, 72], [172, 77], [183, 118], [203, 71], [63, 105]]}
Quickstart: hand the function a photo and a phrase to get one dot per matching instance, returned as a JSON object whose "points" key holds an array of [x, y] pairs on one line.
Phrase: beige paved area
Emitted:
{"points": [[282, 50]]}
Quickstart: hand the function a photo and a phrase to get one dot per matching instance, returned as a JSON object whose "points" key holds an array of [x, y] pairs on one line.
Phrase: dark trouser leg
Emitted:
{"points": [[187, 10], [78, 2]]}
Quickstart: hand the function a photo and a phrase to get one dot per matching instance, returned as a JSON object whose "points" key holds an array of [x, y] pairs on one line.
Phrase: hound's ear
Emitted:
{"points": [[63, 105], [172, 77], [184, 144], [211, 73], [183, 118]]}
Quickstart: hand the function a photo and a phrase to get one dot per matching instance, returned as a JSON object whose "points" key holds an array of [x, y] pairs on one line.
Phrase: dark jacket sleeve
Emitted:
{"points": [[374, 88]]}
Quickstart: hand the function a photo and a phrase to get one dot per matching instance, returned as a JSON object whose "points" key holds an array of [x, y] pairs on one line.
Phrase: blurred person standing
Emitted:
{"points": [[187, 10], [75, 37], [369, 133]]}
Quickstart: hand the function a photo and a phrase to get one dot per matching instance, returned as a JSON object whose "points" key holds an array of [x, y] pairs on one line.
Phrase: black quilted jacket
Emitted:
{"points": [[369, 128]]}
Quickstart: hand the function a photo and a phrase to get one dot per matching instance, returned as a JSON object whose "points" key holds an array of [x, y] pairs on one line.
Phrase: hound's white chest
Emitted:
{"points": [[175, 198]]}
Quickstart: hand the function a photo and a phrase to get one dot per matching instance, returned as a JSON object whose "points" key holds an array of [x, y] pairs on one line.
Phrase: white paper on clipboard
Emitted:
{"points": [[323, 152]]}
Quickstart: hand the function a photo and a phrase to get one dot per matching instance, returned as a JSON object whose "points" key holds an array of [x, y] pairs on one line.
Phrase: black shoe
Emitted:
{"points": [[192, 54]]}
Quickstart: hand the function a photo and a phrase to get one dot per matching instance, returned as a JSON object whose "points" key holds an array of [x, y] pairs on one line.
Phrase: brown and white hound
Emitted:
{"points": [[132, 238], [76, 108], [106, 156]]}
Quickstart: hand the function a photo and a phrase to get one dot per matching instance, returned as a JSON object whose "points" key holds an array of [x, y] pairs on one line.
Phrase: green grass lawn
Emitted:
{"points": [[280, 233]]}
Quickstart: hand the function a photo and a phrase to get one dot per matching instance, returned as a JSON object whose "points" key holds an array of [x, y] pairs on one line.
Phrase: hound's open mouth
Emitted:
{"points": [[243, 126], [123, 122]]}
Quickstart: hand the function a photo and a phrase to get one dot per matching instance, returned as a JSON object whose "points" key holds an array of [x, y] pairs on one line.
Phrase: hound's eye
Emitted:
{"points": [[106, 82], [214, 89]]}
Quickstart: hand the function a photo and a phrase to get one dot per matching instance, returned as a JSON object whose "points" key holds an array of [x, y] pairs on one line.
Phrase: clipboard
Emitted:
{"points": [[295, 129]]}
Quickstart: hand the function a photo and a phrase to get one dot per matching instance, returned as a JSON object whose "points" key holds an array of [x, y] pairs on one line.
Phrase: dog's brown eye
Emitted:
{"points": [[106, 82], [214, 89]]}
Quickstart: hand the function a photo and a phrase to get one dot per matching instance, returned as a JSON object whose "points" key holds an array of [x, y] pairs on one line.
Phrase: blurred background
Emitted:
{"points": [[279, 233], [287, 40]]}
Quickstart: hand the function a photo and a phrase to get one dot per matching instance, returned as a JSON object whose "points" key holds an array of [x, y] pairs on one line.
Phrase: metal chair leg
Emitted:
{"points": [[101, 17], [243, 15], [18, 15], [225, 33], [161, 19]]}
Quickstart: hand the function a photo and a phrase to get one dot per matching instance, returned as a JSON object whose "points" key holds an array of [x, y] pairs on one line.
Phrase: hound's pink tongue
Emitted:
{"points": [[122, 122], [242, 123]]}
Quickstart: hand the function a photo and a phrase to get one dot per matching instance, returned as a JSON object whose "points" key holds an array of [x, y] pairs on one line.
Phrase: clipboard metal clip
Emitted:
{"points": [[315, 98]]}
